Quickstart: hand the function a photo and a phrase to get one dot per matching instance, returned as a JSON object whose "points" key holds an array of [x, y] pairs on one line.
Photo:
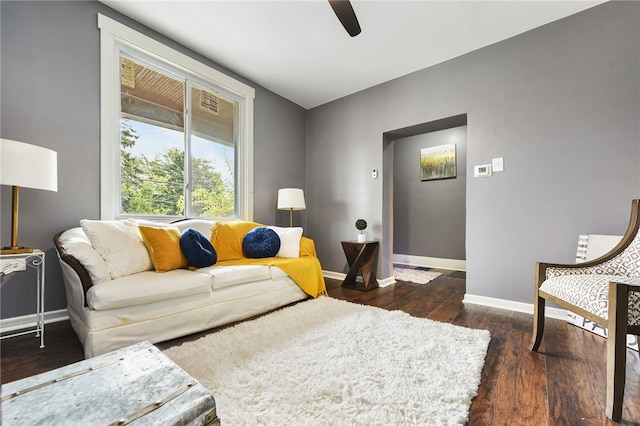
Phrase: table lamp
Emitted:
{"points": [[291, 199], [28, 166]]}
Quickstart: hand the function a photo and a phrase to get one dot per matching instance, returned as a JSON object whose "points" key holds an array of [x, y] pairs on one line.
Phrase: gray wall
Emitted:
{"points": [[50, 97], [429, 216], [561, 105]]}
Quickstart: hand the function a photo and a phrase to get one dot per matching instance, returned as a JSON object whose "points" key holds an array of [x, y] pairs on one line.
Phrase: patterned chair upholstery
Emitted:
{"points": [[606, 291]]}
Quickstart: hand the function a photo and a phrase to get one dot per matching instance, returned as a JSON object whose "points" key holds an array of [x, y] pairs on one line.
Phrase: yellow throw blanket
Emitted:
{"points": [[306, 270]]}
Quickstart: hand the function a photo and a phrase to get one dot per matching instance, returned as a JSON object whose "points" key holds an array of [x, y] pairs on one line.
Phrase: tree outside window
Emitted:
{"points": [[175, 160]]}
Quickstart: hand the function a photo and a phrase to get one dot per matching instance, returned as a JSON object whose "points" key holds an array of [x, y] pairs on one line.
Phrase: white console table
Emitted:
{"points": [[16, 263]]}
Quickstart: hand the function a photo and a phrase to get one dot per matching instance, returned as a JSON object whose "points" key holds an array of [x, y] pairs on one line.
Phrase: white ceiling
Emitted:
{"points": [[299, 49]]}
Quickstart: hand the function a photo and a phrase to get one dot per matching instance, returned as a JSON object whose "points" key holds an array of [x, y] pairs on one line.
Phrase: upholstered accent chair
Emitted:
{"points": [[606, 291]]}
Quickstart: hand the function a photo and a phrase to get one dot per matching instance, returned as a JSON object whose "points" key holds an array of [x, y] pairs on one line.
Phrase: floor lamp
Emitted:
{"points": [[28, 166], [291, 199]]}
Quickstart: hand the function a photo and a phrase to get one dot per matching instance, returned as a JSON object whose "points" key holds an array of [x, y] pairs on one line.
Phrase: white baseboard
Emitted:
{"points": [[29, 321], [492, 302], [509, 305], [384, 282], [333, 275], [430, 262]]}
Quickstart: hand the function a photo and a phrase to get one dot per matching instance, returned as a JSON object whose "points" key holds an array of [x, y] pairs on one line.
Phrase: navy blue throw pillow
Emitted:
{"points": [[261, 242], [197, 248]]}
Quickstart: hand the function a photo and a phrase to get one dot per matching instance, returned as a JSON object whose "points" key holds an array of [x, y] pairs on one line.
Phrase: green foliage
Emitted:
{"points": [[131, 170], [361, 225], [156, 187]]}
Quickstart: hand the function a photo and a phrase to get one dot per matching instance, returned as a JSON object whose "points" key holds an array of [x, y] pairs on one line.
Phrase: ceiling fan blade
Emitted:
{"points": [[346, 15]]}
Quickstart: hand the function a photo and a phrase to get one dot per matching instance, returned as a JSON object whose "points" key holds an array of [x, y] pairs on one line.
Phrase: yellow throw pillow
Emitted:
{"points": [[227, 238], [163, 244]]}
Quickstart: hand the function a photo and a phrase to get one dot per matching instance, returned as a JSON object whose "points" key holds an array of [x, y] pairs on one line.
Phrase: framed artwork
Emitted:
{"points": [[438, 162]]}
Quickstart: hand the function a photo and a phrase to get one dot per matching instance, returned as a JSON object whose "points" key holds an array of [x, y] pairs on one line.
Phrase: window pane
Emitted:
{"points": [[151, 141], [213, 142]]}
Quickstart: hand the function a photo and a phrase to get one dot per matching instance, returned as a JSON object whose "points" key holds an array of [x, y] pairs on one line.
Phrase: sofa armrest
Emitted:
{"points": [[307, 247], [74, 263]]}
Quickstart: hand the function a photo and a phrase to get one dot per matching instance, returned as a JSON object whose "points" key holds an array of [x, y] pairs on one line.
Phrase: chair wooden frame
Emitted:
{"points": [[617, 322]]}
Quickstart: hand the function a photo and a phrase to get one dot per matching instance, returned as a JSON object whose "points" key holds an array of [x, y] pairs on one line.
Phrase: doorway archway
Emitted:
{"points": [[389, 176]]}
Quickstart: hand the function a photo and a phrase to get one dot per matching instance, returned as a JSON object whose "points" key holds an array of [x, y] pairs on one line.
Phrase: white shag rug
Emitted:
{"points": [[418, 276], [331, 362]]}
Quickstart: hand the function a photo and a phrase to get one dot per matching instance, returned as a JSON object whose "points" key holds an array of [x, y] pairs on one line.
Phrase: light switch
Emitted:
{"points": [[374, 173], [497, 164]]}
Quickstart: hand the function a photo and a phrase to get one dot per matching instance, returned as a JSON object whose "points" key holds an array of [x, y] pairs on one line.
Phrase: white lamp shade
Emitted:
{"points": [[291, 199], [28, 166]]}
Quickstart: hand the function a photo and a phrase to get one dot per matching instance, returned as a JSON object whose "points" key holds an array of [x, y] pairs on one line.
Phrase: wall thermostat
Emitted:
{"points": [[482, 170]]}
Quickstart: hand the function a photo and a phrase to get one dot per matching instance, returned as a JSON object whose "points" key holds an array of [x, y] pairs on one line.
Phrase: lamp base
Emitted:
{"points": [[15, 250]]}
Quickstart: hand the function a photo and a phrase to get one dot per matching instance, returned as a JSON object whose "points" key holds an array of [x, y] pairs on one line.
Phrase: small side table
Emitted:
{"points": [[20, 262], [362, 257]]}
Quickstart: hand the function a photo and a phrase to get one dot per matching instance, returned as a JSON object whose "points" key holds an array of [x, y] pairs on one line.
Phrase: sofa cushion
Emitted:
{"points": [[277, 273], [197, 248], [289, 241], [120, 244], [147, 287], [261, 242], [154, 223], [163, 244], [227, 276], [227, 238]]}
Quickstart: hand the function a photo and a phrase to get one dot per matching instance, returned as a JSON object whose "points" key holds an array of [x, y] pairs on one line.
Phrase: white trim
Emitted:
{"points": [[108, 74], [384, 282], [112, 32], [29, 321], [510, 305], [430, 262], [333, 275], [245, 179], [492, 302], [134, 38]]}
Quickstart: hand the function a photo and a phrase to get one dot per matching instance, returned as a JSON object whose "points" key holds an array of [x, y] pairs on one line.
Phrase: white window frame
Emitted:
{"points": [[112, 33]]}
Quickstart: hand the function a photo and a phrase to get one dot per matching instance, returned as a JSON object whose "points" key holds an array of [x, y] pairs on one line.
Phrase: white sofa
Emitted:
{"points": [[108, 314]]}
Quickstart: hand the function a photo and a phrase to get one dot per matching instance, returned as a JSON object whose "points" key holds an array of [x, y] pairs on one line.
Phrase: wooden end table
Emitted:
{"points": [[362, 257]]}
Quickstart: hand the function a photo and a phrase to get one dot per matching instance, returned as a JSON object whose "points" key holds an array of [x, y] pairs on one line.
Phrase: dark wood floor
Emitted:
{"points": [[563, 384]]}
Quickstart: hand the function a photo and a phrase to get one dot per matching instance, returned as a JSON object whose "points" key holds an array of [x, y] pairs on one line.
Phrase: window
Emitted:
{"points": [[177, 143], [176, 135]]}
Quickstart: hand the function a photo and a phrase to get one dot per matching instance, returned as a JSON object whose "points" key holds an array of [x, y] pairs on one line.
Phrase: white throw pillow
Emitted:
{"points": [[203, 225], [76, 243], [289, 241], [120, 244]]}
